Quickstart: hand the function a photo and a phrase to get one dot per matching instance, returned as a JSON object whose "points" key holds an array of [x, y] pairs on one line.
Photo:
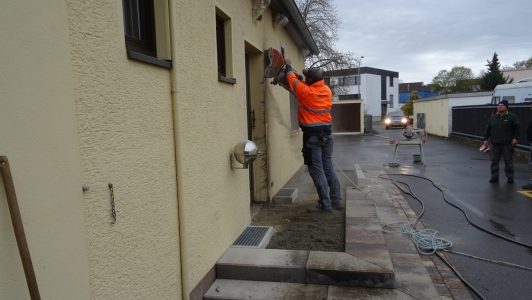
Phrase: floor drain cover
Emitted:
{"points": [[254, 237]]}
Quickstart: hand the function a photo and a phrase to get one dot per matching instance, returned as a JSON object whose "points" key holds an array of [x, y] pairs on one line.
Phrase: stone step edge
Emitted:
{"points": [[302, 266]]}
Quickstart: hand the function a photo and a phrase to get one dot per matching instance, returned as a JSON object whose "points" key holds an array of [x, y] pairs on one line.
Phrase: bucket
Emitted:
{"points": [[417, 158]]}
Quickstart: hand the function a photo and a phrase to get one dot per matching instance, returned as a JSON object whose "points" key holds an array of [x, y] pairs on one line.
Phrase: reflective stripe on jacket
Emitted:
{"points": [[314, 101]]}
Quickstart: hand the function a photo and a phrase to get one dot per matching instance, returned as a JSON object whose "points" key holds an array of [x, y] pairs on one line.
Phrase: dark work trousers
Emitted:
{"points": [[317, 154], [507, 152]]}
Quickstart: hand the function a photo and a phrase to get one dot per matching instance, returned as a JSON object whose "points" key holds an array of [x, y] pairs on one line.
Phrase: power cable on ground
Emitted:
{"points": [[428, 243]]}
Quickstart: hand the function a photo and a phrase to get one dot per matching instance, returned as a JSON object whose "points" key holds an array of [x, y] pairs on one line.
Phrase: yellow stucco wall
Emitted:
{"points": [[125, 125], [436, 116], [38, 133], [211, 119], [76, 111]]}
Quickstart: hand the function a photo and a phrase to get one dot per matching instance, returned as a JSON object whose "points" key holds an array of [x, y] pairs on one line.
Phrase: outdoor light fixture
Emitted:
{"points": [[245, 152], [280, 19], [259, 6]]}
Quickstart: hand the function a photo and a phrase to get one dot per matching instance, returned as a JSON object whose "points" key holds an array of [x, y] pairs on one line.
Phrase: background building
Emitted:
{"points": [[518, 74], [423, 91], [379, 89]]}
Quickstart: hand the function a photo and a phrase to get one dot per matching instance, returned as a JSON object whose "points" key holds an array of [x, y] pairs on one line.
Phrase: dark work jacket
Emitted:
{"points": [[502, 129]]}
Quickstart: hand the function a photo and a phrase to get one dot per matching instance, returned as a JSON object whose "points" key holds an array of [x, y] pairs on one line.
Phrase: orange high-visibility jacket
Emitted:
{"points": [[314, 101]]}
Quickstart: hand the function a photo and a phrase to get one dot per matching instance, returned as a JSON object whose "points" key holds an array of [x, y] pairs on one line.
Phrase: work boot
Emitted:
{"points": [[319, 208], [494, 180], [338, 205]]}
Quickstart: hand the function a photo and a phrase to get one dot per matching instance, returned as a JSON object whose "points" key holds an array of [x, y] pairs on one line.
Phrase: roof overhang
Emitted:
{"points": [[296, 27]]}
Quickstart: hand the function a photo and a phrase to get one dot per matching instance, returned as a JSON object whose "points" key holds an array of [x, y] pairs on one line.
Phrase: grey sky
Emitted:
{"points": [[418, 38]]}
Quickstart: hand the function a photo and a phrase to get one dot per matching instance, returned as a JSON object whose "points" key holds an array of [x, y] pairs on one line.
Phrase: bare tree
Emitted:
{"points": [[322, 20]]}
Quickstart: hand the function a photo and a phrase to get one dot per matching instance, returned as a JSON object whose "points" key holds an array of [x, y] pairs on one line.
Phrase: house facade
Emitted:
{"points": [[130, 109], [434, 114], [379, 89], [407, 88], [518, 74]]}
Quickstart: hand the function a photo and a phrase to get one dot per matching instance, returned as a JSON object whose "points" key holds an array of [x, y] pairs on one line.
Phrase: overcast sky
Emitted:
{"points": [[418, 38]]}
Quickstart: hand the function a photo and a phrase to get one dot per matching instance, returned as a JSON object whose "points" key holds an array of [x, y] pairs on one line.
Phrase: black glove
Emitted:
{"points": [[288, 68]]}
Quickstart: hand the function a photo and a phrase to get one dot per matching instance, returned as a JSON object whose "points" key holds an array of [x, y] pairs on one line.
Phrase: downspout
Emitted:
{"points": [[267, 154], [173, 91]]}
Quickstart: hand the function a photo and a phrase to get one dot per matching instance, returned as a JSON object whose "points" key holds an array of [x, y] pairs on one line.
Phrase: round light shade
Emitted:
{"points": [[245, 151]]}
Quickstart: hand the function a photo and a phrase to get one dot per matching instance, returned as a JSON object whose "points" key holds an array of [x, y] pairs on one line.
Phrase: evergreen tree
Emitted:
{"points": [[493, 76]]}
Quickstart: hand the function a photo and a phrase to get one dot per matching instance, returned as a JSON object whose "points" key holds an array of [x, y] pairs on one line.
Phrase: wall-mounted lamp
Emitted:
{"points": [[244, 153], [280, 19], [259, 6]]}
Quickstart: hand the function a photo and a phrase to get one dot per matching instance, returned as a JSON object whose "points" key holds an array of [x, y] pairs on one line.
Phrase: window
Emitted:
{"points": [[139, 26], [349, 80], [223, 47], [391, 81], [146, 31], [349, 97], [391, 101], [510, 99]]}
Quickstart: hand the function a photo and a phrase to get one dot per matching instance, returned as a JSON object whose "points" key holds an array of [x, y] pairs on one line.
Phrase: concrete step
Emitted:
{"points": [[263, 265], [302, 266], [364, 238], [243, 289]]}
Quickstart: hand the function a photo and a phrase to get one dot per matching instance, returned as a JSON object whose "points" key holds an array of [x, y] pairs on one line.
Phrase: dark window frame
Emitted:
{"points": [[140, 33], [221, 49]]}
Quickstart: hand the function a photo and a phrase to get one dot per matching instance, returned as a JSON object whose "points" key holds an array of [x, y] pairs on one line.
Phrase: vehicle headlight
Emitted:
{"points": [[404, 120], [387, 120]]}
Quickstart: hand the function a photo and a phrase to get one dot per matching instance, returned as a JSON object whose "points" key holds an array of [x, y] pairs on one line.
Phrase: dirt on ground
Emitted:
{"points": [[297, 229]]}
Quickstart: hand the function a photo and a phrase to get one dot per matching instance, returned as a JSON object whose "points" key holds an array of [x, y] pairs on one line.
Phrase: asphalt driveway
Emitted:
{"points": [[462, 172]]}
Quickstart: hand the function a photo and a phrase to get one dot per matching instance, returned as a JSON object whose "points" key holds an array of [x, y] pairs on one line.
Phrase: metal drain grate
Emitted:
{"points": [[254, 237]]}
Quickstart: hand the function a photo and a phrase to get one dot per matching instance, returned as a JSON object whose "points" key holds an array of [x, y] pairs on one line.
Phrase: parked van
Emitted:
{"points": [[518, 92]]}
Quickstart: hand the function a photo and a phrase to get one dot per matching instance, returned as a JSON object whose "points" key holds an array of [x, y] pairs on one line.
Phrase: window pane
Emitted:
{"points": [[220, 44], [139, 26]]}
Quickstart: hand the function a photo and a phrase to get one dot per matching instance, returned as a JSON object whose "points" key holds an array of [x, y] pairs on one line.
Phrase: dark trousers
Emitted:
{"points": [[317, 154], [507, 152]]}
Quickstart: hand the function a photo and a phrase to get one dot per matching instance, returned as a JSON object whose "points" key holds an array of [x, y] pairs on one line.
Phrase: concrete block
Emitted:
{"points": [[261, 290], [339, 268], [263, 265], [376, 254], [359, 177], [285, 196]]}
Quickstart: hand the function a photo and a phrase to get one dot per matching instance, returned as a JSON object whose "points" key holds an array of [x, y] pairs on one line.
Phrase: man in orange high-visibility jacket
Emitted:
{"points": [[314, 112]]}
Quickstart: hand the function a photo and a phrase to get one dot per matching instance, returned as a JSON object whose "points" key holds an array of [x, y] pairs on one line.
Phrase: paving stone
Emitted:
{"points": [[364, 236], [263, 265], [442, 290], [389, 215], [262, 290], [361, 211], [338, 268], [461, 294], [399, 243], [412, 277], [355, 194], [376, 254], [349, 293]]}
